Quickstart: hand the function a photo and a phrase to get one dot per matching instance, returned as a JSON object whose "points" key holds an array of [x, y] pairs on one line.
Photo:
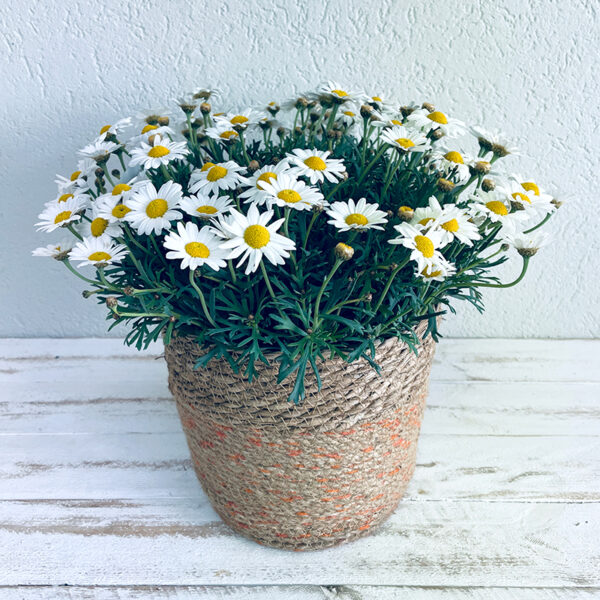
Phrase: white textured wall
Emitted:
{"points": [[530, 68]]}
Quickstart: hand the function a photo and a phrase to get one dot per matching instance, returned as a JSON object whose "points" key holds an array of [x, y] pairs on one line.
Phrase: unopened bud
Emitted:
{"points": [[301, 103], [128, 290], [152, 119], [428, 107], [406, 110], [172, 319], [163, 121], [437, 134], [281, 131], [481, 167], [488, 185], [556, 203], [253, 165], [366, 111], [111, 302], [87, 293], [205, 108], [504, 248], [369, 297], [343, 251], [445, 185], [405, 213]]}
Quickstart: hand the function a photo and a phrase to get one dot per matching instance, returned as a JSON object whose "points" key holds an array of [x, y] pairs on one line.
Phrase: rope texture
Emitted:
{"points": [[308, 476]]}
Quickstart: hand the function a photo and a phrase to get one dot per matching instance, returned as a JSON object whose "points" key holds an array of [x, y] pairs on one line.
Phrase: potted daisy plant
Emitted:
{"points": [[295, 260]]}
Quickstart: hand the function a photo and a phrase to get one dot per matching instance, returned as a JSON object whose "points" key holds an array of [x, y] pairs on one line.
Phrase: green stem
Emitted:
{"points": [[75, 272], [506, 285], [243, 142], [327, 279], [388, 284], [74, 232], [231, 270], [310, 225], [108, 177], [202, 299], [377, 156], [542, 222], [267, 281]]}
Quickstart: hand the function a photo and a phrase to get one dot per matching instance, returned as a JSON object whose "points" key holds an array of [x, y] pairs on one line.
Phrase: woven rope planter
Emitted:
{"points": [[308, 476]]}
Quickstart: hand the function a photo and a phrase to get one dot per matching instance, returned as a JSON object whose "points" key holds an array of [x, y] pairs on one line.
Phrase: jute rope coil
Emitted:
{"points": [[307, 476]]}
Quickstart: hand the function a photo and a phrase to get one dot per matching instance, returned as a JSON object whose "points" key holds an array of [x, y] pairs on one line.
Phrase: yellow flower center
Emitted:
{"points": [[120, 210], [529, 186], [519, 197], [157, 208], [206, 209], [349, 113], [405, 208], [64, 197], [451, 225], [340, 93], [257, 236], [197, 250], [315, 163], [206, 166], [239, 120], [438, 117], [424, 246], [454, 157], [75, 175], [215, 173], [428, 273], [99, 256], [120, 188], [226, 135], [105, 129], [98, 226], [405, 142], [289, 196], [497, 207], [148, 128], [266, 177], [396, 122], [377, 99], [356, 219], [158, 151], [425, 220], [62, 216]]}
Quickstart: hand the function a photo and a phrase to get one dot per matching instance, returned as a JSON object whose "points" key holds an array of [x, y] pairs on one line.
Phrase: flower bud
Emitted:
{"points": [[87, 293], [481, 167], [205, 108], [504, 248], [488, 185], [152, 119], [556, 203], [343, 251], [428, 107], [128, 290], [437, 134], [163, 121], [301, 103], [445, 185], [406, 110], [253, 165], [405, 213], [112, 302], [366, 111]]}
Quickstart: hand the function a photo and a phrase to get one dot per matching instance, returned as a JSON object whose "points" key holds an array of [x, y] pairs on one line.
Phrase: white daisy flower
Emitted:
{"points": [[161, 152], [80, 179], [100, 226], [424, 246], [98, 251], [390, 121], [255, 193], [526, 244], [356, 215], [205, 94], [242, 119], [115, 129], [59, 214], [494, 140], [112, 208], [527, 196], [403, 138], [58, 251], [437, 271], [147, 131], [426, 121], [212, 178], [495, 206], [452, 163], [287, 191], [152, 211], [251, 237], [348, 115], [99, 150], [381, 104], [336, 93], [195, 247], [84, 200], [316, 165], [205, 206], [223, 131], [453, 223]]}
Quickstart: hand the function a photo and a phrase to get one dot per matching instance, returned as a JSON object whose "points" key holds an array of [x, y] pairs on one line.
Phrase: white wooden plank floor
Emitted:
{"points": [[98, 498]]}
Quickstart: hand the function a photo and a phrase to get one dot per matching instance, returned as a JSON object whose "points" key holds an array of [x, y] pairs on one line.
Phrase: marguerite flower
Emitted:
{"points": [[527, 195], [289, 192], [453, 223], [82, 199], [147, 131], [112, 208], [356, 215], [161, 152], [80, 179], [212, 178], [99, 150], [495, 206], [426, 121], [223, 131], [115, 129], [437, 271], [205, 206], [100, 226], [152, 211], [58, 251], [336, 93], [241, 119], [526, 244], [255, 192], [423, 245], [452, 163], [405, 139], [195, 247], [315, 165], [98, 251], [251, 237], [59, 214], [494, 140]]}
